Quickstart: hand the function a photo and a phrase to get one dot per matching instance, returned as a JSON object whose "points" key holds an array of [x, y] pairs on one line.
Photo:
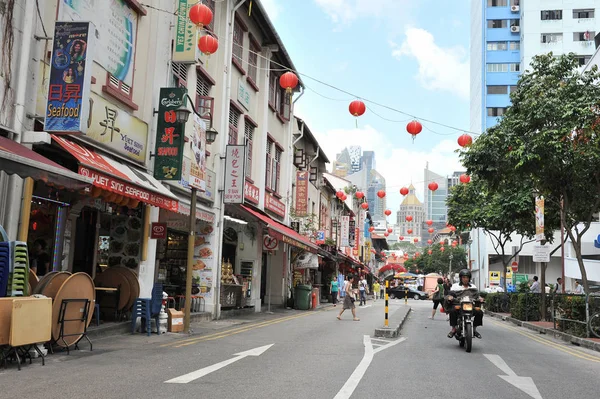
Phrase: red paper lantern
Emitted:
{"points": [[390, 230], [433, 186], [339, 194], [359, 195], [357, 108], [381, 193], [429, 242], [465, 140], [401, 238], [430, 252], [442, 249], [288, 81], [387, 212], [404, 191], [416, 239], [364, 205], [452, 228], [414, 128], [409, 231], [200, 15], [409, 218], [386, 234], [430, 230], [465, 178], [429, 222], [344, 197], [371, 229], [208, 45]]}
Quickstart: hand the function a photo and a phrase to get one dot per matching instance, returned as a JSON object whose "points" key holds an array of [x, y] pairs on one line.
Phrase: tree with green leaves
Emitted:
{"points": [[404, 246], [549, 137], [438, 261]]}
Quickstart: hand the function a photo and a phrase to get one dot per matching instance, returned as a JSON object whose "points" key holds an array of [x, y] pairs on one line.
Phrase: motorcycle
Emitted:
{"points": [[465, 307]]}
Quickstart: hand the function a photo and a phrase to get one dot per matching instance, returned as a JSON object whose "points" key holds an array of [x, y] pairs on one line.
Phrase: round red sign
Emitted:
{"points": [[515, 266]]}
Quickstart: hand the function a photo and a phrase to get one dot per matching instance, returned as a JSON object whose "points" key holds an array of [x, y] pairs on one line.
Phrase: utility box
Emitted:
{"points": [[175, 320]]}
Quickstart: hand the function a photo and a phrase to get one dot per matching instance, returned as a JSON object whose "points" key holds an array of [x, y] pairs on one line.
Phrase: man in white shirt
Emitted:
{"points": [[362, 286], [535, 287], [579, 288]]}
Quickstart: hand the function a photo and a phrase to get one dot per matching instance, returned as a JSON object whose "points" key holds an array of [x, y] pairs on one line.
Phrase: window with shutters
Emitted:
{"points": [[276, 170], [211, 4], [204, 102], [253, 63], [238, 45], [270, 149], [179, 74], [249, 136], [273, 90], [234, 121], [279, 100]]}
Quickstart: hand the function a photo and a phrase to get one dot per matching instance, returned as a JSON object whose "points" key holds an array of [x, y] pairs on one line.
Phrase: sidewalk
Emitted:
{"points": [[546, 327]]}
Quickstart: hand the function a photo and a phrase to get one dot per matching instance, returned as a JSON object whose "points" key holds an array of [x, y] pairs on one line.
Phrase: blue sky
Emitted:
{"points": [[409, 55]]}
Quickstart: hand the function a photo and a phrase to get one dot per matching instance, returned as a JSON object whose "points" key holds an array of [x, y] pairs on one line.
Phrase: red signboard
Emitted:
{"points": [[301, 193], [274, 205], [251, 192], [158, 231], [129, 190], [355, 248]]}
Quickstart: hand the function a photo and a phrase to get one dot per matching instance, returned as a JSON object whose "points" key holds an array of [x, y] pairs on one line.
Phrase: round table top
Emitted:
{"points": [[77, 286], [114, 278]]}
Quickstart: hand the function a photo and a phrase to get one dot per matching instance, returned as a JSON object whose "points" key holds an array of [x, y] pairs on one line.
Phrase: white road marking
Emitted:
{"points": [[350, 385], [525, 384], [194, 375]]}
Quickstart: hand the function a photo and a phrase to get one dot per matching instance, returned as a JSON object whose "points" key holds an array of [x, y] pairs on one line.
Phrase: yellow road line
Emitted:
{"points": [[547, 342], [235, 330]]}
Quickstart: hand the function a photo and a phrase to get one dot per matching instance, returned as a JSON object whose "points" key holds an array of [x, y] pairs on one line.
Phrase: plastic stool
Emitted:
{"points": [[141, 309]]}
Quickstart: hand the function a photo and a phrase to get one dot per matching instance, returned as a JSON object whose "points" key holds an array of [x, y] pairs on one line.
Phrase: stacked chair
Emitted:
{"points": [[4, 267], [18, 278], [147, 309]]}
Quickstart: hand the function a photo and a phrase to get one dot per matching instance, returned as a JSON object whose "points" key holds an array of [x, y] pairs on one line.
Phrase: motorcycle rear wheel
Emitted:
{"points": [[468, 337]]}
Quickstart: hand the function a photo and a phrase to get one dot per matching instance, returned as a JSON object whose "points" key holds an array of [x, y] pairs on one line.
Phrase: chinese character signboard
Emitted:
{"points": [[274, 205], [68, 104], [184, 47], [117, 129], [116, 23], [539, 218], [301, 193], [251, 192], [243, 93], [198, 165], [209, 190], [356, 240], [352, 234], [169, 135], [235, 157], [344, 231]]}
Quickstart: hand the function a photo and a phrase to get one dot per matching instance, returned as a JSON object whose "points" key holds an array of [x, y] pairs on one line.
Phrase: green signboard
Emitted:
{"points": [[519, 278], [170, 135]]}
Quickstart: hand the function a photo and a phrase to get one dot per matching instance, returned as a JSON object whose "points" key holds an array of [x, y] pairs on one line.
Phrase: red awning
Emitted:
{"points": [[20, 160], [284, 233], [112, 175]]}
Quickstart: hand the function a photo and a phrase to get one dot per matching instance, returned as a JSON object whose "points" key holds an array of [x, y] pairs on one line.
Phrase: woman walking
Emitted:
{"points": [[333, 290], [349, 299], [438, 296]]}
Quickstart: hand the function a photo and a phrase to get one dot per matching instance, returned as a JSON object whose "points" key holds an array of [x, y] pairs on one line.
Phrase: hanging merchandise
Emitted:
{"points": [[414, 128]]}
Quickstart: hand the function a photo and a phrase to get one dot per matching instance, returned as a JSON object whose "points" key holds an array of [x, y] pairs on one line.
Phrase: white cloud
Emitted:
{"points": [[399, 165], [346, 11], [439, 68], [272, 7]]}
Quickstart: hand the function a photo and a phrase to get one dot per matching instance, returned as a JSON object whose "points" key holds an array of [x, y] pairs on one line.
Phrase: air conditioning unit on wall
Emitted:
{"points": [[514, 8], [515, 29]]}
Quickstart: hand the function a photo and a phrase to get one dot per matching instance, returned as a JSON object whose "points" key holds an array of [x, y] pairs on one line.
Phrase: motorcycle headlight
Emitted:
{"points": [[467, 307]]}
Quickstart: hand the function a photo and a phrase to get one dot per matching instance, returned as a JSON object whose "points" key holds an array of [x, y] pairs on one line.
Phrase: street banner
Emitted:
{"points": [[345, 231], [301, 193], [186, 34], [68, 104], [170, 135], [198, 164], [352, 233], [539, 218], [234, 174]]}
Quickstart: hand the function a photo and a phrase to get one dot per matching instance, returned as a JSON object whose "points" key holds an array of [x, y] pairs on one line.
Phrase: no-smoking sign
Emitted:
{"points": [[270, 243]]}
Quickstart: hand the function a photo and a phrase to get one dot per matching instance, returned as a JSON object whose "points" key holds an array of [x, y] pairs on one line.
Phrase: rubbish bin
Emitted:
{"points": [[302, 296]]}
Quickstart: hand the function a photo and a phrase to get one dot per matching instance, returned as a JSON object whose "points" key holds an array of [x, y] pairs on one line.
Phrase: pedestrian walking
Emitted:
{"points": [[333, 290], [558, 286], [349, 299], [447, 287], [362, 290], [382, 290], [438, 296], [578, 288], [535, 287], [376, 287]]}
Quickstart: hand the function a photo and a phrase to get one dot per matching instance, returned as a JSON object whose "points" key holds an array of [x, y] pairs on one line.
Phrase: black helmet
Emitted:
{"points": [[464, 272]]}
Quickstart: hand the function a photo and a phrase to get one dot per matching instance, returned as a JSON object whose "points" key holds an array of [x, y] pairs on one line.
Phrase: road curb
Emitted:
{"points": [[389, 332], [583, 342]]}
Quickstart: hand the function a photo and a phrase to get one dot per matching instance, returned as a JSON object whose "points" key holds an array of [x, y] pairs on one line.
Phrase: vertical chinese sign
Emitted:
{"points": [[169, 135], [351, 233], [344, 231], [67, 108], [539, 218], [301, 193], [184, 48], [198, 164], [234, 174]]}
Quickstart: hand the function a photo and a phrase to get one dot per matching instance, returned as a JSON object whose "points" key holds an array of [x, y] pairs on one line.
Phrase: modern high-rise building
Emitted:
{"points": [[355, 158], [435, 201], [507, 34], [454, 179]]}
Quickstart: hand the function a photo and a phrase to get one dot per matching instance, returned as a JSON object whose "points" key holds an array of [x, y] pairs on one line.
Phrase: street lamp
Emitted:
{"points": [[182, 114]]}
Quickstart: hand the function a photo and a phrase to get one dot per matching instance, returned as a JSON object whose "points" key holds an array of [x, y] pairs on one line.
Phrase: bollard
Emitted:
{"points": [[386, 303], [405, 295]]}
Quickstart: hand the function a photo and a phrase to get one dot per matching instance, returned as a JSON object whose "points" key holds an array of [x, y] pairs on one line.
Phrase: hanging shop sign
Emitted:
{"points": [[307, 260], [539, 218], [344, 231], [270, 243], [209, 190], [251, 192], [168, 154], [235, 163], [352, 234], [117, 129], [158, 231], [116, 24], [68, 103], [185, 44], [301, 193], [198, 145], [356, 242], [274, 205]]}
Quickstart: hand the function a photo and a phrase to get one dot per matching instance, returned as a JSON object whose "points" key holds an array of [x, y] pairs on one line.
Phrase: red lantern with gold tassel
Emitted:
{"points": [[357, 108], [208, 45], [288, 81], [200, 15]]}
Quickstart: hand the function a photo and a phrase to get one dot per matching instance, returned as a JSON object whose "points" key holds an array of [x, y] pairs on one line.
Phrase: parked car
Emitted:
{"points": [[402, 291]]}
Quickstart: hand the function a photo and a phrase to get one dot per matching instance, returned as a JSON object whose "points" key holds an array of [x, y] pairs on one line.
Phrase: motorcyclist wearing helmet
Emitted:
{"points": [[458, 290]]}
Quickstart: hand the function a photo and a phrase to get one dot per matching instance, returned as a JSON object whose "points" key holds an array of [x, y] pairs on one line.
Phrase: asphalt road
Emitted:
{"points": [[314, 355]]}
